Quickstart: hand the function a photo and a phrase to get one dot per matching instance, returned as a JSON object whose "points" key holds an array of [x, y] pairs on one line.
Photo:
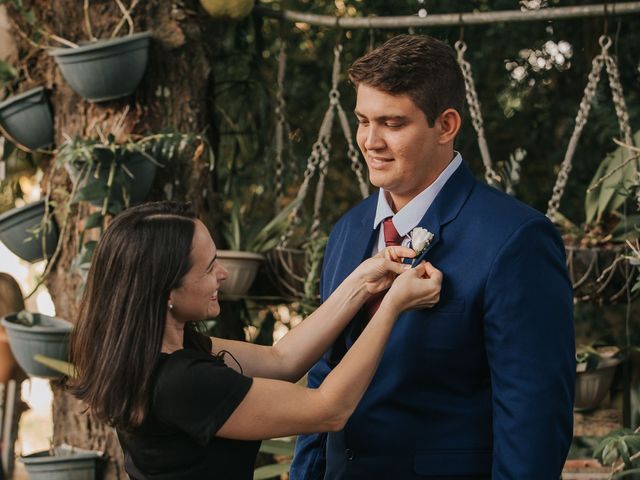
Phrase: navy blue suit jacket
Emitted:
{"points": [[481, 385]]}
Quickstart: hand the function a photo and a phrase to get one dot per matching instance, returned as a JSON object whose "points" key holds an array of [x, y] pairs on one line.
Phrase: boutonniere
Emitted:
{"points": [[420, 239]]}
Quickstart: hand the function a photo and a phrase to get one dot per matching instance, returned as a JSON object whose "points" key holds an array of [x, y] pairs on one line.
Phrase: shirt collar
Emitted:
{"points": [[410, 215]]}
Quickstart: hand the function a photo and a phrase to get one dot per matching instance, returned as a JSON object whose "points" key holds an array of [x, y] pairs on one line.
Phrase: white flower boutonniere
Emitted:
{"points": [[420, 239]]}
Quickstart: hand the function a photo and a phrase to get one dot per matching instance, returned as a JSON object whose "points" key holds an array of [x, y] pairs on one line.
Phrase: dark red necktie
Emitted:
{"points": [[391, 239]]}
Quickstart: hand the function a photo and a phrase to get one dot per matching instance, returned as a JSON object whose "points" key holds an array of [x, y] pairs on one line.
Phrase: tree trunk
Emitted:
{"points": [[176, 94]]}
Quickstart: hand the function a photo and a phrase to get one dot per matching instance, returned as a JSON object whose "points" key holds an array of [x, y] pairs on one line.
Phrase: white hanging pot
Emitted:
{"points": [[242, 268]]}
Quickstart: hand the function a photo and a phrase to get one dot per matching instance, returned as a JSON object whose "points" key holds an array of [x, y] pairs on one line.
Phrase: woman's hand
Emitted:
{"points": [[416, 288], [377, 273]]}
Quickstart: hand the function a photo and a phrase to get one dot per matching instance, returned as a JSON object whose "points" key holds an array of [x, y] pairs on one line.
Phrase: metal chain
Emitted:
{"points": [[581, 120], [618, 99], [320, 155], [603, 59], [491, 177], [280, 122], [352, 153]]}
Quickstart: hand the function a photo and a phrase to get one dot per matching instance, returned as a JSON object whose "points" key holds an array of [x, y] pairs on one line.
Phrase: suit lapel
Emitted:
{"points": [[361, 238], [446, 205]]}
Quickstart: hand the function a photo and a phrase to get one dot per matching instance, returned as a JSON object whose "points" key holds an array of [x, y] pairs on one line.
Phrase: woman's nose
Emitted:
{"points": [[223, 273]]}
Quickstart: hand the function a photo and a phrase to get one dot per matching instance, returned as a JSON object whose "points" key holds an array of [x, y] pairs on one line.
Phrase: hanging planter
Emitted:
{"points": [[242, 268], [21, 230], [133, 175], [62, 463], [599, 274], [105, 69], [287, 270], [32, 334], [27, 120]]}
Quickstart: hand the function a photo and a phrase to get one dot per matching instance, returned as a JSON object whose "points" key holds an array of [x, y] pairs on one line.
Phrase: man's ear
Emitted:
{"points": [[449, 123]]}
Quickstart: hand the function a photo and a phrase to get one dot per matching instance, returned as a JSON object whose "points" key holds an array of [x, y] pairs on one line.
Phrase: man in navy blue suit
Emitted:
{"points": [[481, 386]]}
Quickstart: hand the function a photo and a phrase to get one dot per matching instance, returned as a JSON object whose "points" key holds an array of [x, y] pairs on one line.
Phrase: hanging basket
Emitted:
{"points": [[137, 185], [27, 120], [17, 228], [106, 69], [600, 274], [48, 336], [242, 268], [287, 270]]}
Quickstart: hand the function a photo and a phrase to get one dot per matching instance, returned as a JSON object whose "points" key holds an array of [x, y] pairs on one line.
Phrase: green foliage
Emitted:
{"points": [[619, 445], [612, 183], [105, 160], [260, 237]]}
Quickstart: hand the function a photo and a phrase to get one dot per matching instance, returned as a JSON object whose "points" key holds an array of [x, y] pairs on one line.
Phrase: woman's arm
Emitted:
{"points": [[274, 408], [296, 352]]}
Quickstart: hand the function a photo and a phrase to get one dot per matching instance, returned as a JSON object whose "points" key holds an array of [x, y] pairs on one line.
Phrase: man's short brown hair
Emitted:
{"points": [[419, 66]]}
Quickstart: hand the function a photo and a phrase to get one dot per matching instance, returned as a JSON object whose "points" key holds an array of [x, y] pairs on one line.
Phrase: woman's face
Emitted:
{"points": [[197, 298]]}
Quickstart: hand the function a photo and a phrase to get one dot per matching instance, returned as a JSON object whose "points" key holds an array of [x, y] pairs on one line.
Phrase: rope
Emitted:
{"points": [[491, 177], [603, 59]]}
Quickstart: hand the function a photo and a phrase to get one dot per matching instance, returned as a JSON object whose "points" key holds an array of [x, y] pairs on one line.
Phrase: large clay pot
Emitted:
{"points": [[592, 387]]}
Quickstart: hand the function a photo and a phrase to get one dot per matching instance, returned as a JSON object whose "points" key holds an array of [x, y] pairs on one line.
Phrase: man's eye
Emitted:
{"points": [[393, 125]]}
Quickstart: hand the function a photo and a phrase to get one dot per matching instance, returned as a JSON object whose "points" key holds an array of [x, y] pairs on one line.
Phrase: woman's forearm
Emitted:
{"points": [[345, 385], [301, 347]]}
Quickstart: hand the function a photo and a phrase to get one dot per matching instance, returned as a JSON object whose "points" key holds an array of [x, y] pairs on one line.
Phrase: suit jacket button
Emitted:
{"points": [[349, 454]]}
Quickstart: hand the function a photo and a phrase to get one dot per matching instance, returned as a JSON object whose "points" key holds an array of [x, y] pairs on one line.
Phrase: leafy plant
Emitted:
{"points": [[607, 216], [98, 168], [260, 237], [621, 450]]}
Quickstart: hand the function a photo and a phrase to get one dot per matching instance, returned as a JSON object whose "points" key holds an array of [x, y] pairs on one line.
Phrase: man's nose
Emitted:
{"points": [[374, 140]]}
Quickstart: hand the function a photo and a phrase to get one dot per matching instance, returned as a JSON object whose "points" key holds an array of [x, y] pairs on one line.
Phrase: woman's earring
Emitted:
{"points": [[170, 306]]}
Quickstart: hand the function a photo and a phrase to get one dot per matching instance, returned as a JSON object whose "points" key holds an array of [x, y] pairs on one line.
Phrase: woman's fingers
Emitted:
{"points": [[395, 267], [397, 253]]}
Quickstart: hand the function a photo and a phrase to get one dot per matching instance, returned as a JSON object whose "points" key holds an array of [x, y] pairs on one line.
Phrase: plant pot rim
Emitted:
{"points": [[21, 96], [61, 325], [14, 212], [241, 255], [44, 457], [99, 44], [604, 363]]}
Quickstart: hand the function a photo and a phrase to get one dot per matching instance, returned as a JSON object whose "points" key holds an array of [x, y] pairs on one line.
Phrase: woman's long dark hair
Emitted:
{"points": [[116, 343]]}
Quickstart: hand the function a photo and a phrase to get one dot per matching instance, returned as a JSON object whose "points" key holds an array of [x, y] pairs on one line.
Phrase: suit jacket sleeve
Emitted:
{"points": [[309, 459], [529, 337]]}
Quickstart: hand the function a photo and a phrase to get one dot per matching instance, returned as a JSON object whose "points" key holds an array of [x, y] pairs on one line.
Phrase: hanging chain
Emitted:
{"points": [[491, 177], [280, 123], [320, 155], [603, 59]]}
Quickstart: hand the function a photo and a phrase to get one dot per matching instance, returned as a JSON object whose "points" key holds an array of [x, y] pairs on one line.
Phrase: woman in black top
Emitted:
{"points": [[179, 410]]}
